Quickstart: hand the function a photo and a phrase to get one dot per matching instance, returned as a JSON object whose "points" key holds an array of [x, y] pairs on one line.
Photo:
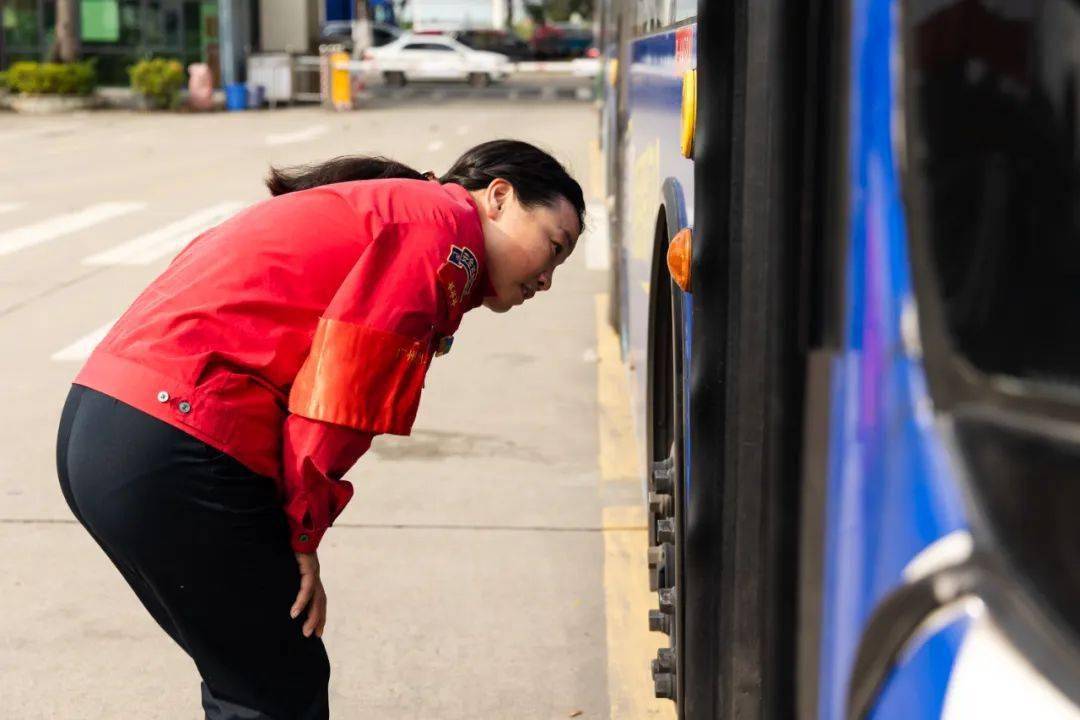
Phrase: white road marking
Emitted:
{"points": [[597, 242], [30, 235], [81, 348], [298, 136], [9, 206], [165, 241], [435, 145]]}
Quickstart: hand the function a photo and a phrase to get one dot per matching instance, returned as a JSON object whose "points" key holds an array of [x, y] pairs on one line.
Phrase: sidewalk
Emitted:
{"points": [[488, 566]]}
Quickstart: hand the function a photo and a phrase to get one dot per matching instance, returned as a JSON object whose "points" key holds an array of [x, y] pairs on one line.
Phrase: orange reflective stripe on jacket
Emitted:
{"points": [[361, 378]]}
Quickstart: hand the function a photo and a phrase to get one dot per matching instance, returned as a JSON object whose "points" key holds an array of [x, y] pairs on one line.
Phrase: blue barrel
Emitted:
{"points": [[236, 96], [256, 96]]}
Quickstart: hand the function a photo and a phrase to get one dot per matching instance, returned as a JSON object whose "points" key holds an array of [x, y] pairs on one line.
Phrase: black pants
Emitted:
{"points": [[203, 542]]}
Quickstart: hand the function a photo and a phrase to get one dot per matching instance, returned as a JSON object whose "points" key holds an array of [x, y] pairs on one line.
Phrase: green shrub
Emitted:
{"points": [[3, 81], [52, 78], [158, 80]]}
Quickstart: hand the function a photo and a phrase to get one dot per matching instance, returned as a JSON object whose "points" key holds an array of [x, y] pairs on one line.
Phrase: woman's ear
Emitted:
{"points": [[498, 194]]}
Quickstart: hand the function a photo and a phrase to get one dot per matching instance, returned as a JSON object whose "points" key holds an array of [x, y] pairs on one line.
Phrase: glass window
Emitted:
{"points": [[130, 26], [20, 21], [382, 37], [48, 26], [992, 131], [100, 21], [383, 14], [192, 28], [162, 24], [428, 46], [110, 21]]}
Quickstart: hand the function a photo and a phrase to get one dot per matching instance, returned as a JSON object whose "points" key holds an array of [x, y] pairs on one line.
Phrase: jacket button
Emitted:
{"points": [[163, 396], [304, 538], [185, 407]]}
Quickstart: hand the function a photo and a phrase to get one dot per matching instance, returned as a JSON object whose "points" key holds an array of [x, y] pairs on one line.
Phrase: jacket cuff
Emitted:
{"points": [[304, 541], [305, 532]]}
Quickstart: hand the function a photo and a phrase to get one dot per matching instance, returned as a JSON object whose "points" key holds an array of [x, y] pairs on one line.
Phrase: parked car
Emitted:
{"points": [[498, 41], [559, 41], [340, 32], [436, 57]]}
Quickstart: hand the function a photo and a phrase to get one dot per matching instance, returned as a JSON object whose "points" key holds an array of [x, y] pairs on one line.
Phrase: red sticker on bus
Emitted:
{"points": [[684, 48]]}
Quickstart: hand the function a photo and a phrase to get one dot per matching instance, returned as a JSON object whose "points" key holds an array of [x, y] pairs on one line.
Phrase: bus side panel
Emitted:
{"points": [[891, 491], [653, 155]]}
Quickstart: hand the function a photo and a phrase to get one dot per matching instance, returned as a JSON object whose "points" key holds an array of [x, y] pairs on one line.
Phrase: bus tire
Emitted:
{"points": [[665, 474]]}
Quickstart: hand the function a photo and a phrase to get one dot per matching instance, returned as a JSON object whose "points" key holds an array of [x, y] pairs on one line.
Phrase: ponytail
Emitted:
{"points": [[339, 169]]}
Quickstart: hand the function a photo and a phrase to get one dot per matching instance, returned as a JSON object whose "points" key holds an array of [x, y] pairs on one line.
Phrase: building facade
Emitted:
{"points": [[116, 33]]}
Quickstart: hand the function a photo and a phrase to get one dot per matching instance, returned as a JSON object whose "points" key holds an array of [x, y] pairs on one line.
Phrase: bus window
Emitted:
{"points": [[995, 95]]}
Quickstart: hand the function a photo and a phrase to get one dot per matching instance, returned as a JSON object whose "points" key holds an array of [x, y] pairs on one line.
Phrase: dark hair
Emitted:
{"points": [[339, 169], [537, 177]]}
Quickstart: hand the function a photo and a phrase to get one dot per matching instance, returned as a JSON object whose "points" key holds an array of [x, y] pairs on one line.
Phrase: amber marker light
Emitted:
{"points": [[678, 258], [689, 112]]}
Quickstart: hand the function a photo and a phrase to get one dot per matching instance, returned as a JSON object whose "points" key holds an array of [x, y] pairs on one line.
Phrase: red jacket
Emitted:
{"points": [[291, 334]]}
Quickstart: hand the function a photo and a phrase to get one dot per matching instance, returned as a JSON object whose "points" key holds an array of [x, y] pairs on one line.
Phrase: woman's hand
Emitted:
{"points": [[311, 596]]}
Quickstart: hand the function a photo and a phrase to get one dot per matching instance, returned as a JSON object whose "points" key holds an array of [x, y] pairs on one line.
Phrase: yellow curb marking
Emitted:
{"points": [[627, 599]]}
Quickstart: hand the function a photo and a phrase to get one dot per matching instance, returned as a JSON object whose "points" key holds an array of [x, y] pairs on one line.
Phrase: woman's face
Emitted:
{"points": [[523, 245]]}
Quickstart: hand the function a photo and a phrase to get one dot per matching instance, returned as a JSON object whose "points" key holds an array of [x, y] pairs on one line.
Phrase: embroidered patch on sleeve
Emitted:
{"points": [[465, 259]]}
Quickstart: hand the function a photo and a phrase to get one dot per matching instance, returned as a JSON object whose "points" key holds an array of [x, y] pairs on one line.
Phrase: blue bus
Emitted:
{"points": [[847, 267]]}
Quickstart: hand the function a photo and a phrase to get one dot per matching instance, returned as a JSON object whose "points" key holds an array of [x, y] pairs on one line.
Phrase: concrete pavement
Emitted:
{"points": [[488, 567]]}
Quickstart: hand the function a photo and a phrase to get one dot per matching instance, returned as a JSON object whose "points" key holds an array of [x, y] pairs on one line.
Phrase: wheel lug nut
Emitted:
{"points": [[661, 476], [661, 566], [667, 600], [660, 504], [659, 622], [664, 686], [665, 660], [656, 556], [657, 563]]}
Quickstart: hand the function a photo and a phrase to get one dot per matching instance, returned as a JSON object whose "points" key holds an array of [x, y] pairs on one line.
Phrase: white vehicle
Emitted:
{"points": [[435, 57]]}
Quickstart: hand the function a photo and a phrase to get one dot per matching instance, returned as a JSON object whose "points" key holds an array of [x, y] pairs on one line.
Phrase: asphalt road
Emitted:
{"points": [[490, 566]]}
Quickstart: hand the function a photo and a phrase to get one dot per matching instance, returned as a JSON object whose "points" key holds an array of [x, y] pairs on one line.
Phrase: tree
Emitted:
{"points": [[66, 47], [535, 12], [559, 10]]}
